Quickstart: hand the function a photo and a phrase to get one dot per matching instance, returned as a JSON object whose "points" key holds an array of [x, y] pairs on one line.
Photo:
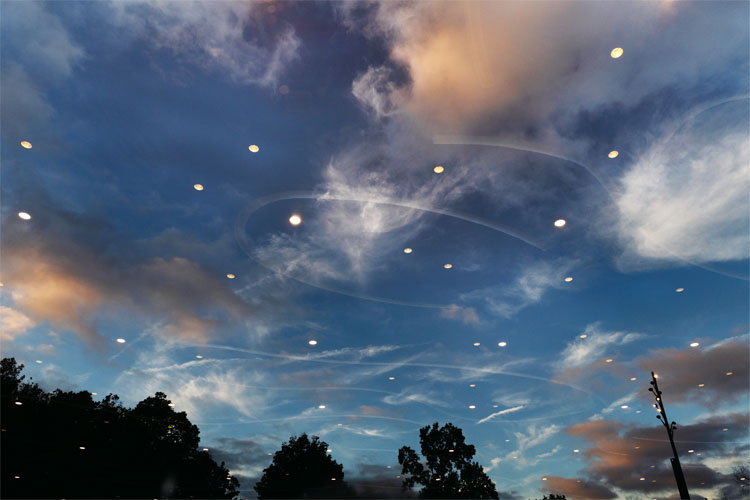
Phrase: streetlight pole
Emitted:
{"points": [[662, 416]]}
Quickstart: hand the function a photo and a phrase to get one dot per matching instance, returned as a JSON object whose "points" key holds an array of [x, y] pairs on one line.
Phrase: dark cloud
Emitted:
{"points": [[578, 488], [71, 270], [682, 370], [374, 481], [622, 455]]}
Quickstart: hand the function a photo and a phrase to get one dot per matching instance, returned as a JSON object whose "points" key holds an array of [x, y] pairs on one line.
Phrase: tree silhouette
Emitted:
{"points": [[66, 445], [303, 469], [449, 471]]}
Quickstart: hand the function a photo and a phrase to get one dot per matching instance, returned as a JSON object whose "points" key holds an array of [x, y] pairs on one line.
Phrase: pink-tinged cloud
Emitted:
{"points": [[578, 488], [637, 458], [682, 371]]}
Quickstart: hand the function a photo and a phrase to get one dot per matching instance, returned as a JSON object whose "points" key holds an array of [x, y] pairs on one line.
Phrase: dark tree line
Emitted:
{"points": [[66, 445]]}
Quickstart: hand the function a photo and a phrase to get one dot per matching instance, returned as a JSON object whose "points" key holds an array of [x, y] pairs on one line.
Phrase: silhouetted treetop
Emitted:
{"points": [[447, 470], [303, 469], [64, 444]]}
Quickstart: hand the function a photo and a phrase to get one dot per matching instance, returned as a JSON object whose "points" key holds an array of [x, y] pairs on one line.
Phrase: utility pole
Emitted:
{"points": [[662, 416]]}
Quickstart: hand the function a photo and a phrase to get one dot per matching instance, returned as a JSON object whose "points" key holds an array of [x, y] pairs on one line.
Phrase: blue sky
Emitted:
{"points": [[352, 105]]}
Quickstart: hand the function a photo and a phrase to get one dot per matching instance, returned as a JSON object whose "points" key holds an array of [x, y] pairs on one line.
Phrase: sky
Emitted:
{"points": [[247, 196]]}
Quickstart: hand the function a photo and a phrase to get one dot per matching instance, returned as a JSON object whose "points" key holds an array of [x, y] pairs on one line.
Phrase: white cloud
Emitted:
{"points": [[688, 196], [13, 323], [236, 38], [529, 287], [501, 412], [582, 352], [408, 396]]}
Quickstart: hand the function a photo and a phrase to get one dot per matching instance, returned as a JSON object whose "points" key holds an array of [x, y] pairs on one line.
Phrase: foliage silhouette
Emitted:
{"points": [[449, 471], [303, 469], [66, 445]]}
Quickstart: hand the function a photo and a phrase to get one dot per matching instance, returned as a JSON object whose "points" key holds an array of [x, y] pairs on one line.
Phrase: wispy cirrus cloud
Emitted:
{"points": [[583, 352], [499, 413]]}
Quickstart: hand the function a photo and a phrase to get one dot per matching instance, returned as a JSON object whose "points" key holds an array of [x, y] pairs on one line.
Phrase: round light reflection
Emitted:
{"points": [[613, 154], [253, 148], [448, 266], [198, 187], [502, 344], [616, 52], [231, 276], [120, 341], [560, 223], [408, 250], [568, 279], [694, 344], [295, 220], [24, 215], [439, 169], [312, 342], [26, 145]]}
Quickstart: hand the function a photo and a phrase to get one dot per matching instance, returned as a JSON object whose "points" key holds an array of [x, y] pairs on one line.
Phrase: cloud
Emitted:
{"points": [[198, 387], [13, 323], [372, 481], [74, 285], [528, 288], [407, 396], [582, 353], [578, 488], [686, 197], [501, 412], [242, 41], [467, 62], [620, 454], [468, 315], [682, 370]]}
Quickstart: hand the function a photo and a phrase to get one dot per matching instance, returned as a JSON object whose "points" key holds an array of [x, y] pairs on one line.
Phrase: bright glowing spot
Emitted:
{"points": [[439, 169], [679, 290], [198, 187], [388, 466], [624, 407], [701, 385], [295, 220], [725, 429], [656, 375], [616, 52], [477, 344], [507, 440], [448, 266], [312, 342], [494, 406], [576, 451], [608, 360], [329, 450], [333, 479], [205, 449], [408, 250], [16, 477], [637, 411], [26, 145], [691, 451], [613, 154], [472, 385], [231, 276], [94, 393], [198, 356], [502, 344], [391, 378], [560, 223], [18, 403], [24, 215], [253, 148], [544, 479], [81, 447], [568, 279], [632, 379], [437, 479], [39, 361], [451, 451], [171, 405], [730, 373], [471, 407], [694, 344], [583, 336], [322, 407], [643, 479], [120, 341]]}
